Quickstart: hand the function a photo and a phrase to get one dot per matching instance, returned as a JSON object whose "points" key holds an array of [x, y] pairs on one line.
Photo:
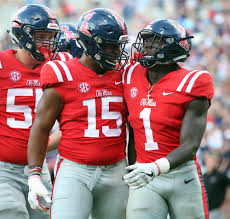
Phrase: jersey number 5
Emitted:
{"points": [[150, 144], [11, 107]]}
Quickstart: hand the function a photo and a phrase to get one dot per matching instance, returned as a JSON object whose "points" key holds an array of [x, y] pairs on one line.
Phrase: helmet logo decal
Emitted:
{"points": [[85, 28], [64, 28], [184, 44], [70, 35], [85, 25], [89, 15], [84, 87], [15, 76]]}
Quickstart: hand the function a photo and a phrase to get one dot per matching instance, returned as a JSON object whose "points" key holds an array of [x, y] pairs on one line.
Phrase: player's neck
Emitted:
{"points": [[88, 62], [157, 72], [26, 59]]}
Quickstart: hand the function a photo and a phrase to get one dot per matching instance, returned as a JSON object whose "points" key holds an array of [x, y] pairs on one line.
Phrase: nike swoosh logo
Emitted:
{"points": [[164, 93], [148, 174], [151, 175], [117, 82], [186, 181]]}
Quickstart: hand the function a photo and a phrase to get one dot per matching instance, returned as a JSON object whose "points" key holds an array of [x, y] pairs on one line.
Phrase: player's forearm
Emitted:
{"points": [[189, 144], [37, 146], [131, 154], [131, 147], [192, 131], [182, 154]]}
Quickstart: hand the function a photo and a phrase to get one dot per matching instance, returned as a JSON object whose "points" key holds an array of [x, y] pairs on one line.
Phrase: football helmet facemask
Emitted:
{"points": [[103, 28], [161, 42], [30, 22]]}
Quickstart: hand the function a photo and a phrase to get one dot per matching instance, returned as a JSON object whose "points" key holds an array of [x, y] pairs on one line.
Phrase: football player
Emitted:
{"points": [[68, 40], [167, 107], [34, 30], [86, 96]]}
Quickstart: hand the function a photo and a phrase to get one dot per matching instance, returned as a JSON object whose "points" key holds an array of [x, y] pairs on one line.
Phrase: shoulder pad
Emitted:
{"points": [[55, 72], [197, 83]]}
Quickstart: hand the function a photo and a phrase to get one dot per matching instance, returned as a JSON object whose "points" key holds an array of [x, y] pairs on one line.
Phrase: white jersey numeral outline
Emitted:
{"points": [[92, 131], [150, 144]]}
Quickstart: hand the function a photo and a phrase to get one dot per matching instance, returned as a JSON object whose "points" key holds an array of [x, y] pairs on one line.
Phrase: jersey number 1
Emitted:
{"points": [[150, 144]]}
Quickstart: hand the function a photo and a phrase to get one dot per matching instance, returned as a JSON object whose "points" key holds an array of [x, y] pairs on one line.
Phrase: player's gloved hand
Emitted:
{"points": [[37, 190], [143, 173]]}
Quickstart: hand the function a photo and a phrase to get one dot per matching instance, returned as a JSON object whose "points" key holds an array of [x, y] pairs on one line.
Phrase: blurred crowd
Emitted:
{"points": [[207, 20]]}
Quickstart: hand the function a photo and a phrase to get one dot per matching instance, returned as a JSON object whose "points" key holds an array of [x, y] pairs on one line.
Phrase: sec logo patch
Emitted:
{"points": [[15, 76], [84, 87], [133, 92]]}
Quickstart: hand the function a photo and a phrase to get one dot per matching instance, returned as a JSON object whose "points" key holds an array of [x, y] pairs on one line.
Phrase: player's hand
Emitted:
{"points": [[141, 174], [37, 191]]}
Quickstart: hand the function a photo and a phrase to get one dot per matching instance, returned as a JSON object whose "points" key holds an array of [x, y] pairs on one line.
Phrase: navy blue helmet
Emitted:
{"points": [[28, 21], [171, 42], [68, 40], [100, 28]]}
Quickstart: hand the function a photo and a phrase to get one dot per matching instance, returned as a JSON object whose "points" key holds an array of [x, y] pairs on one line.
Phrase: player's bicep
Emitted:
{"points": [[48, 108], [194, 122]]}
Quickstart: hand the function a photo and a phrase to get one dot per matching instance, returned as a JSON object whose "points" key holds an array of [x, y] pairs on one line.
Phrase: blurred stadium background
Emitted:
{"points": [[207, 20]]}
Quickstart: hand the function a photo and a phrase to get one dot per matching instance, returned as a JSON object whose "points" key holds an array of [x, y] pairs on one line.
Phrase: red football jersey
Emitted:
{"points": [[93, 119], [157, 119], [20, 92]]}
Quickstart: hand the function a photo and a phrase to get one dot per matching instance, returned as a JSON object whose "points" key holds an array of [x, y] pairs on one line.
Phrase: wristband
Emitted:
{"points": [[158, 168], [163, 165], [35, 170]]}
